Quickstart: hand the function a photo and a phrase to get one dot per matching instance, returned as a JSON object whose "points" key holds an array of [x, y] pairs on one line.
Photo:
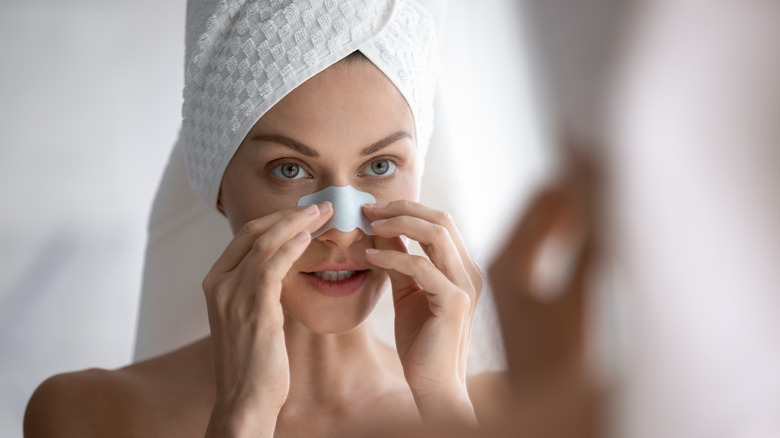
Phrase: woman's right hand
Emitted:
{"points": [[243, 292]]}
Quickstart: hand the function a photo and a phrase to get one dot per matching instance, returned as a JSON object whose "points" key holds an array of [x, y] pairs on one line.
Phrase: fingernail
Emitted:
{"points": [[303, 235], [324, 206], [378, 223], [372, 251], [380, 205], [310, 209]]}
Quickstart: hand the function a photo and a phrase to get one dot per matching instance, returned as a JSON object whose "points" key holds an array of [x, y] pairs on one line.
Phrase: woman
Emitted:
{"points": [[281, 101]]}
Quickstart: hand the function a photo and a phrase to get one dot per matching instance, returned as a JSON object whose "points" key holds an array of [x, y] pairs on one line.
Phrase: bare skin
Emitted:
{"points": [[284, 359], [173, 395]]}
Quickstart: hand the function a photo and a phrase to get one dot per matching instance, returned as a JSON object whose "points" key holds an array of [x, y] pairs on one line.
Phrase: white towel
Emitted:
{"points": [[253, 53]]}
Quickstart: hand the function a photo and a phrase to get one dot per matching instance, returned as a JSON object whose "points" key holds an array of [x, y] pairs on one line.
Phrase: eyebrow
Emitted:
{"points": [[311, 152], [287, 141], [385, 142]]}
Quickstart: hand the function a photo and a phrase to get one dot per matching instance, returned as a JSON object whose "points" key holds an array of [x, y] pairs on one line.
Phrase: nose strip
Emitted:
{"points": [[347, 211]]}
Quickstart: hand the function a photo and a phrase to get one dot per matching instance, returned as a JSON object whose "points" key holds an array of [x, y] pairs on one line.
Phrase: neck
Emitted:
{"points": [[333, 368]]}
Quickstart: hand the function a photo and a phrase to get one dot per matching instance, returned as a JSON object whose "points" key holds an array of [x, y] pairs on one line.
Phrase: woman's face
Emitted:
{"points": [[348, 125]]}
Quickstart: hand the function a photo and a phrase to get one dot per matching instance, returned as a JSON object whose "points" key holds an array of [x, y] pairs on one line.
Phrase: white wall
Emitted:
{"points": [[90, 107]]}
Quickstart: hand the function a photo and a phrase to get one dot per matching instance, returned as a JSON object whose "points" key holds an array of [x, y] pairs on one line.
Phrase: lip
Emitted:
{"points": [[337, 289]]}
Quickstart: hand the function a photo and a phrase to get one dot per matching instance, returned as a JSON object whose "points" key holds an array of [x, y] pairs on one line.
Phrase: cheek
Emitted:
{"points": [[407, 187], [242, 195], [245, 205]]}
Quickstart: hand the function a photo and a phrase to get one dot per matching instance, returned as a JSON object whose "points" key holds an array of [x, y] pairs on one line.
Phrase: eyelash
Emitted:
{"points": [[395, 162], [276, 164]]}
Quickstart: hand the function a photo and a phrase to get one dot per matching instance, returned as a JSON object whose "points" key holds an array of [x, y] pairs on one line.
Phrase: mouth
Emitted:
{"points": [[334, 275], [336, 283]]}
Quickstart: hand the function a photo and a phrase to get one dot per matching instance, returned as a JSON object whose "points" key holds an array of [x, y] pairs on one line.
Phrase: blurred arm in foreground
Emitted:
{"points": [[684, 114]]}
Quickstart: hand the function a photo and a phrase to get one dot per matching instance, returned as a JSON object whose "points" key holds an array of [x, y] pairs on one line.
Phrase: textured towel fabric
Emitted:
{"points": [[253, 53]]}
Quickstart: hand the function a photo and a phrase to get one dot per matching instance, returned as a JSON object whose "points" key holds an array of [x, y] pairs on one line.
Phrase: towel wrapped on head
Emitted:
{"points": [[251, 54]]}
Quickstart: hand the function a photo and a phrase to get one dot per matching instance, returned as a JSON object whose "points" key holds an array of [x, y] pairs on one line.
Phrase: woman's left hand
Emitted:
{"points": [[434, 299]]}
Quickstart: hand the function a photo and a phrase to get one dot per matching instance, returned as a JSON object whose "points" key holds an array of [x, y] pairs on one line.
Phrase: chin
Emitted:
{"points": [[326, 314]]}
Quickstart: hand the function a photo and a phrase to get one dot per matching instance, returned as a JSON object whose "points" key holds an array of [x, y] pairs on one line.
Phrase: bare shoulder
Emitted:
{"points": [[489, 393], [93, 402], [170, 395]]}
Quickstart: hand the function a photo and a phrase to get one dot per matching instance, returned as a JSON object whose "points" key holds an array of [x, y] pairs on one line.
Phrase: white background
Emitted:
{"points": [[89, 110]]}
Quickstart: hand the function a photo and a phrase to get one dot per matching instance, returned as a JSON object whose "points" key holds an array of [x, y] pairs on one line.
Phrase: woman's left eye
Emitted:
{"points": [[381, 168], [289, 171]]}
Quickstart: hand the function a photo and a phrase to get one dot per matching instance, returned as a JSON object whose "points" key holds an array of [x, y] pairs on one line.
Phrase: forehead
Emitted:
{"points": [[349, 101]]}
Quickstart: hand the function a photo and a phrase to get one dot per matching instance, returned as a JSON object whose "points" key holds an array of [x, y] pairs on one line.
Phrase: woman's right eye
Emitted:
{"points": [[289, 171]]}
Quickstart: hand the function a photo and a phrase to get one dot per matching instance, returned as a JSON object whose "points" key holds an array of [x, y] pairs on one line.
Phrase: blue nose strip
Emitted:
{"points": [[347, 208]]}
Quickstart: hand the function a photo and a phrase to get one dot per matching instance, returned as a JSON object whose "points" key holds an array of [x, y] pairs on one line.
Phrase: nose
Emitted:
{"points": [[341, 239]]}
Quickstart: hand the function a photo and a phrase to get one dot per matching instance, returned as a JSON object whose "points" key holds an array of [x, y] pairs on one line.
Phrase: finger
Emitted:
{"points": [[508, 275], [474, 272], [386, 210], [310, 217], [442, 294], [269, 242], [266, 280], [402, 284], [435, 240], [242, 242], [383, 210], [537, 334]]}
